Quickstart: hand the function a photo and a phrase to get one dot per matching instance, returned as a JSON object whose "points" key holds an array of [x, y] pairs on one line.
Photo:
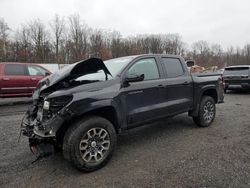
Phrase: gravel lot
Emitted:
{"points": [[172, 153]]}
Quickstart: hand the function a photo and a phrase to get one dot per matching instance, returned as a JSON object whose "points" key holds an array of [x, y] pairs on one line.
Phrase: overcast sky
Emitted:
{"points": [[226, 22]]}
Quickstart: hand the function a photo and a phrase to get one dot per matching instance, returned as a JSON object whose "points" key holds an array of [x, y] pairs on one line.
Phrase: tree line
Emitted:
{"points": [[68, 40]]}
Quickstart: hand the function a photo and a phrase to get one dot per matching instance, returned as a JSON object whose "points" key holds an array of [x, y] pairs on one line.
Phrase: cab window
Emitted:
{"points": [[146, 66], [173, 67]]}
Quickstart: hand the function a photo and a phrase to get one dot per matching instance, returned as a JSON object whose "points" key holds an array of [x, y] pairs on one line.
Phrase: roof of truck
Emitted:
{"points": [[238, 66]]}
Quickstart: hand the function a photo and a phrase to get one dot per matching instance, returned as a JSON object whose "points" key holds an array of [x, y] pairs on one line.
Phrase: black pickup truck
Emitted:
{"points": [[83, 107]]}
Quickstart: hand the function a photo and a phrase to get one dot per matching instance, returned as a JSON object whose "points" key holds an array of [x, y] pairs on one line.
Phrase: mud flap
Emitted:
{"points": [[194, 112]]}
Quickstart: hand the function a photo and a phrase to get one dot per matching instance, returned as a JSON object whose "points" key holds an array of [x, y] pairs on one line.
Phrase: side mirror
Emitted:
{"points": [[190, 63], [47, 73], [134, 78]]}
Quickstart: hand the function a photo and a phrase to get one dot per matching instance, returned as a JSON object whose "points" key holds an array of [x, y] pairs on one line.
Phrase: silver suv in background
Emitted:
{"points": [[237, 77]]}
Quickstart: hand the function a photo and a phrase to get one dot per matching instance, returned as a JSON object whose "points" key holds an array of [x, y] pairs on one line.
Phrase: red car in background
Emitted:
{"points": [[20, 79]]}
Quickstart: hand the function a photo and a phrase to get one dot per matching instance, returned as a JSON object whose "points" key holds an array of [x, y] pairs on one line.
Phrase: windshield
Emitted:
{"points": [[236, 71], [115, 66]]}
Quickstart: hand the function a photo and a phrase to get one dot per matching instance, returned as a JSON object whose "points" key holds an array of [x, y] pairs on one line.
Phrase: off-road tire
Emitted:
{"points": [[200, 119], [74, 136]]}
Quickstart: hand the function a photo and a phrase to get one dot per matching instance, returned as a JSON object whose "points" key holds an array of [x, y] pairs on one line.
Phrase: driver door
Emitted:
{"points": [[141, 98]]}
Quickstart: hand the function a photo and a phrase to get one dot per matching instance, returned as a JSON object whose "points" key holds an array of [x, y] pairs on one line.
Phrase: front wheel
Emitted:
{"points": [[89, 144], [207, 111]]}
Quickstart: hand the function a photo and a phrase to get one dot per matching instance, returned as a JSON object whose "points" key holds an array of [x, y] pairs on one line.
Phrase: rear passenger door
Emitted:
{"points": [[15, 79], [179, 86]]}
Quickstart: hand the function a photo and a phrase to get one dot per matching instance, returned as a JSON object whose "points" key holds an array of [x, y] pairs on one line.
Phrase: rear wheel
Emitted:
{"points": [[207, 111], [89, 144]]}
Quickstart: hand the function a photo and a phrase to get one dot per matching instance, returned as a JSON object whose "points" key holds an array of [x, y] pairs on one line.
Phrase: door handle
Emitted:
{"points": [[135, 92], [185, 83], [33, 78], [161, 86], [6, 79]]}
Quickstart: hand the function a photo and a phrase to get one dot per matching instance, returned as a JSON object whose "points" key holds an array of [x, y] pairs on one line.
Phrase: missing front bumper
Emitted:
{"points": [[34, 128], [41, 148]]}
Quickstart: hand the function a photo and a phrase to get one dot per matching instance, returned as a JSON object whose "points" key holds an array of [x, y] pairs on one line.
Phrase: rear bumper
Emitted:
{"points": [[237, 84]]}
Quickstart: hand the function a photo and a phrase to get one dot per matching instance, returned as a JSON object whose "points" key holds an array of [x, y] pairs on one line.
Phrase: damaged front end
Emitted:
{"points": [[42, 121], [50, 110]]}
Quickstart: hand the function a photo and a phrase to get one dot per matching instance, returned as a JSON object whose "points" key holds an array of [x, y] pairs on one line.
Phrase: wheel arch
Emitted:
{"points": [[212, 92], [108, 111], [206, 91]]}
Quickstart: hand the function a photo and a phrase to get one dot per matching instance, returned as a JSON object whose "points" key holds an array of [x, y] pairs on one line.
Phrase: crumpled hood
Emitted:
{"points": [[88, 66]]}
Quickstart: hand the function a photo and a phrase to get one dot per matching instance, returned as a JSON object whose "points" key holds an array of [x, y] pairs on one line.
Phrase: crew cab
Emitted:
{"points": [[236, 77], [83, 107], [20, 79]]}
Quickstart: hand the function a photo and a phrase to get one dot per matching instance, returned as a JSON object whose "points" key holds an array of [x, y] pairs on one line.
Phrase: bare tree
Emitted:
{"points": [[216, 50], [23, 40], [173, 44], [4, 29], [72, 40], [58, 29], [78, 36], [146, 47], [201, 47], [201, 51], [229, 56], [247, 53], [155, 44], [217, 57], [39, 39], [116, 46], [96, 43]]}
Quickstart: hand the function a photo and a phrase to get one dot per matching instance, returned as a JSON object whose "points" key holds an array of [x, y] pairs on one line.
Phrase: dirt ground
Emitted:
{"points": [[170, 153]]}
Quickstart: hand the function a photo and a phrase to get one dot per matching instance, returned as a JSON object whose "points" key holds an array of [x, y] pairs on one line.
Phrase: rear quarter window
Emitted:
{"points": [[236, 71], [173, 67], [36, 70], [14, 70]]}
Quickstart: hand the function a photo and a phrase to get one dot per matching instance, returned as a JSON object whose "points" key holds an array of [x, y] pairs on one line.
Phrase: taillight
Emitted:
{"points": [[222, 81]]}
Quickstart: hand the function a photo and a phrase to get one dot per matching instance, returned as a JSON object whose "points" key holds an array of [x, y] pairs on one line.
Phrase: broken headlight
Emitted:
{"points": [[57, 103], [46, 105]]}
